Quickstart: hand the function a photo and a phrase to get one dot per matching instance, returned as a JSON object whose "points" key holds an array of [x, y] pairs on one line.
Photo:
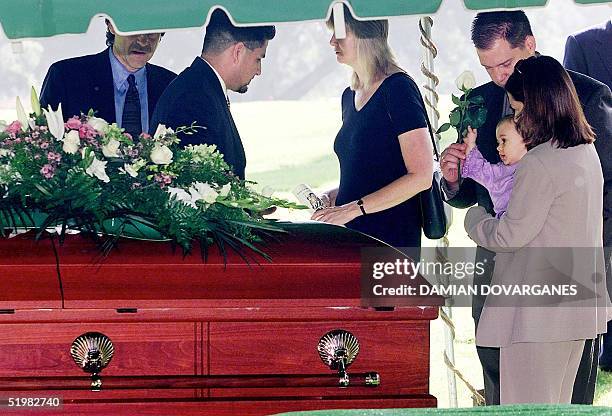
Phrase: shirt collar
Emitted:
{"points": [[120, 73], [223, 87]]}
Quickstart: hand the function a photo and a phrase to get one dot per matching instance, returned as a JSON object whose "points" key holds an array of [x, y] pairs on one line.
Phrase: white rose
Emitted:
{"points": [[111, 149], [72, 142], [466, 80], [182, 196], [161, 131], [98, 169], [203, 191], [98, 124], [161, 155]]}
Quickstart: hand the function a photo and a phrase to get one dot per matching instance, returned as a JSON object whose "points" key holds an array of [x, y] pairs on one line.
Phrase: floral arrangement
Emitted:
{"points": [[470, 110], [89, 175]]}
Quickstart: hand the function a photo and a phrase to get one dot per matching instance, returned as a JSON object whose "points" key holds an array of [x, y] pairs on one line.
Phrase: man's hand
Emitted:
{"points": [[449, 163]]}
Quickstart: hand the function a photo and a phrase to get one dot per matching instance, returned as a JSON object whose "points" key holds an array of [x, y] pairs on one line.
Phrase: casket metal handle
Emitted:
{"points": [[338, 349], [92, 352]]}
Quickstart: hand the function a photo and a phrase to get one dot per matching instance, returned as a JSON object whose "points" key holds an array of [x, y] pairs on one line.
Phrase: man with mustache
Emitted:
{"points": [[118, 83], [230, 59]]}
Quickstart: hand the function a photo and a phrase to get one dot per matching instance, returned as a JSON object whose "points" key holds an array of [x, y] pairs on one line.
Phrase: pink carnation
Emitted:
{"points": [[87, 132], [73, 123], [47, 171], [14, 127], [145, 136]]}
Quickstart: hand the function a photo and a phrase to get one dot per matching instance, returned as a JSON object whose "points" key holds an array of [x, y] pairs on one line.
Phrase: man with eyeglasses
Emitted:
{"points": [[502, 39], [118, 83]]}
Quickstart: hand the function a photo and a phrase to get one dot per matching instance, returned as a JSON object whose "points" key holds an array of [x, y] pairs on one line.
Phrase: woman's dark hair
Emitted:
{"points": [[552, 110], [514, 85]]}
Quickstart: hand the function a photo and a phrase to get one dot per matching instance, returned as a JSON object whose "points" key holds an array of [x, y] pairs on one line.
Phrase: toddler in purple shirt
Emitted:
{"points": [[498, 178]]}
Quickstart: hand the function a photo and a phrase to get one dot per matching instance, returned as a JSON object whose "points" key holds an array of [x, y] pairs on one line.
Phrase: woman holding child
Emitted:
{"points": [[547, 231]]}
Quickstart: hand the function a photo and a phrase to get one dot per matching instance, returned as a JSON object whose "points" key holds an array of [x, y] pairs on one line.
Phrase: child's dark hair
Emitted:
{"points": [[506, 119]]}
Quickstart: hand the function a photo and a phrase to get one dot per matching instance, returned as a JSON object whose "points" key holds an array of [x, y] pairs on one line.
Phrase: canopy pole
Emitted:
{"points": [[431, 102]]}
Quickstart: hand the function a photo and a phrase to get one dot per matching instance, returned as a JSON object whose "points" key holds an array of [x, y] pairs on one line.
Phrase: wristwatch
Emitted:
{"points": [[360, 205]]}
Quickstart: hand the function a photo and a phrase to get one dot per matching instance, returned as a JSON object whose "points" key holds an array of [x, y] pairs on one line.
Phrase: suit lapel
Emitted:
{"points": [[153, 90], [494, 100], [603, 50], [103, 96]]}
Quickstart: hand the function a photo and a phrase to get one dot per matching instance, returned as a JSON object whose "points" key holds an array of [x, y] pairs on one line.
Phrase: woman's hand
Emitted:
{"points": [[338, 215]]}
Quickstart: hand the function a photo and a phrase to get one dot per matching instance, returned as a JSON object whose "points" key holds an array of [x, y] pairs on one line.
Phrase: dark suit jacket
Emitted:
{"points": [[196, 95], [596, 101], [86, 82], [590, 52]]}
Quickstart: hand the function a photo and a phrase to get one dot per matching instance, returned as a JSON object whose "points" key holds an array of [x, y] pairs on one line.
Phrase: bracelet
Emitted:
{"points": [[360, 205]]}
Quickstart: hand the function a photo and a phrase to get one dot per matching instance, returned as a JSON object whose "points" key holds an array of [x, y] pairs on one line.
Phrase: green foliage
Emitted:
{"points": [[99, 180], [470, 110]]}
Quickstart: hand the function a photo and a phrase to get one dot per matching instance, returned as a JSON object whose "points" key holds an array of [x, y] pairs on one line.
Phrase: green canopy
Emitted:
{"points": [[42, 18]]}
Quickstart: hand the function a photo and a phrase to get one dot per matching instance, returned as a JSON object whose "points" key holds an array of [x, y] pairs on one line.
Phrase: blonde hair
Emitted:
{"points": [[373, 52]]}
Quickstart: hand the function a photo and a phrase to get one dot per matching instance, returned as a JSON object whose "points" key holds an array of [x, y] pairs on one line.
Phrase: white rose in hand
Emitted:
{"points": [[465, 80], [72, 142], [161, 155]]}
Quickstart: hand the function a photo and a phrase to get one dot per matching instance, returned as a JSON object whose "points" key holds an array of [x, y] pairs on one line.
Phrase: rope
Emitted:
{"points": [[433, 82]]}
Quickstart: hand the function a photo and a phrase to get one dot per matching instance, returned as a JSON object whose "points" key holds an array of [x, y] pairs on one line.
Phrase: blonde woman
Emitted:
{"points": [[383, 147]]}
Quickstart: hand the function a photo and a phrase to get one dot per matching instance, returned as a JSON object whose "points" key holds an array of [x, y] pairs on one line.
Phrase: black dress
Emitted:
{"points": [[370, 157]]}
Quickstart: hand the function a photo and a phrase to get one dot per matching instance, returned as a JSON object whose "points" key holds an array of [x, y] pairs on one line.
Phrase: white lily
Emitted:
{"points": [[203, 191], [465, 80], [21, 115], [182, 195], [35, 102], [55, 121], [129, 169], [225, 190], [161, 131], [111, 149], [98, 169]]}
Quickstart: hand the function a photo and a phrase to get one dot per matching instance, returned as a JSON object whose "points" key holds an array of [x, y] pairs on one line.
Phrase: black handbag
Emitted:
{"points": [[433, 214], [435, 221]]}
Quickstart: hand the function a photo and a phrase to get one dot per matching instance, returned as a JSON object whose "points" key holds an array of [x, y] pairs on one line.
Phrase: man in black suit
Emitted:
{"points": [[231, 57], [589, 52], [501, 39], [116, 79]]}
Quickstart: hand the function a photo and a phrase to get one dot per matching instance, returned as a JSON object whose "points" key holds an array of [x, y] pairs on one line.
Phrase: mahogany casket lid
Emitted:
{"points": [[311, 262]]}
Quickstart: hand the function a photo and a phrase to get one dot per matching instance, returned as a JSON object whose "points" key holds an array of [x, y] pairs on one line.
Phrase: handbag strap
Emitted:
{"points": [[431, 135]]}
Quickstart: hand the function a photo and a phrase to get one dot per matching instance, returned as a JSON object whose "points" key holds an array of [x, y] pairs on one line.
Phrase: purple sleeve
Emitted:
{"points": [[478, 168]]}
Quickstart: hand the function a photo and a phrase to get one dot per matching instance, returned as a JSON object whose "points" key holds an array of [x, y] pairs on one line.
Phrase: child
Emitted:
{"points": [[497, 178]]}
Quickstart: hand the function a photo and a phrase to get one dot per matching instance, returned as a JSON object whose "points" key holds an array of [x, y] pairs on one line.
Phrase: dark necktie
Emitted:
{"points": [[130, 120]]}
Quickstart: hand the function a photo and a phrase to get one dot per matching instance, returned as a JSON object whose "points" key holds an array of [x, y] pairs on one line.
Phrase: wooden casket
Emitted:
{"points": [[202, 337]]}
